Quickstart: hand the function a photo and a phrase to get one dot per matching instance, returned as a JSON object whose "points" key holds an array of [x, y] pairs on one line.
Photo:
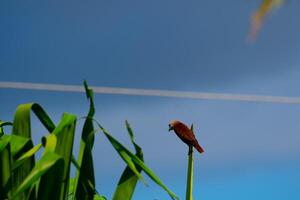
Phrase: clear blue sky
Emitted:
{"points": [[252, 149]]}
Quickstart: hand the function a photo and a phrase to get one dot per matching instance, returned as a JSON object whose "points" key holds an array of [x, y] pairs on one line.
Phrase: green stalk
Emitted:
{"points": [[189, 183]]}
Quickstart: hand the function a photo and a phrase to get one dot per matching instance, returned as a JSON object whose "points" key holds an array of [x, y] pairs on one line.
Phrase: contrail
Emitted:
{"points": [[150, 92]]}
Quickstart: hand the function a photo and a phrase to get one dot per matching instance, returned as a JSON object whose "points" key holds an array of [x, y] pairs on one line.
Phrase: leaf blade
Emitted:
{"points": [[128, 179], [135, 161], [84, 184]]}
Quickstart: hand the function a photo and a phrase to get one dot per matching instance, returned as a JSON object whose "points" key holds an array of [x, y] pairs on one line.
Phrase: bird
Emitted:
{"points": [[185, 134]]}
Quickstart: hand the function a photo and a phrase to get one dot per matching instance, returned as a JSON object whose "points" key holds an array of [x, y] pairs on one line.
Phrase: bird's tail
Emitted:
{"points": [[198, 147]]}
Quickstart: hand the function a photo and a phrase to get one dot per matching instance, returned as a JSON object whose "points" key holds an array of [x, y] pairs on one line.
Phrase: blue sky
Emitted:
{"points": [[252, 149]]}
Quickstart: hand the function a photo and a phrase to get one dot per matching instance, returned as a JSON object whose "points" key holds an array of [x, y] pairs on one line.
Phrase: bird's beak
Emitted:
{"points": [[170, 128]]}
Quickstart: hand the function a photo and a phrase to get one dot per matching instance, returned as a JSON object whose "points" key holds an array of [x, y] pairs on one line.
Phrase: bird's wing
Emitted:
{"points": [[185, 133]]}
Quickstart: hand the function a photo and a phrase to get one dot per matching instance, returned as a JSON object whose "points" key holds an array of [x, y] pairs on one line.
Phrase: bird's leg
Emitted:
{"points": [[190, 149]]}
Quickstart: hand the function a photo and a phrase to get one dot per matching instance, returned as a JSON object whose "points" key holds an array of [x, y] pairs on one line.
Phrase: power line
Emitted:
{"points": [[151, 92]]}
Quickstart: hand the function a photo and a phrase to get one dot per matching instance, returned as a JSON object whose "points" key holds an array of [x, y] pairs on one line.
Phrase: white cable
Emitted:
{"points": [[150, 92]]}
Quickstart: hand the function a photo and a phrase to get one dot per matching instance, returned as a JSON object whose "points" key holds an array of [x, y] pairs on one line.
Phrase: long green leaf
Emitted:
{"points": [[22, 127], [84, 184], [26, 156], [125, 154], [137, 148], [50, 165], [71, 189], [5, 168], [132, 161], [53, 170], [75, 163], [128, 180], [19, 144], [21, 123], [4, 140], [49, 142], [65, 138], [51, 182]]}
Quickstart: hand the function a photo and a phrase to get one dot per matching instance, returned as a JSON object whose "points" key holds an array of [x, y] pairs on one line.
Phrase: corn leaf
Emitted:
{"points": [[50, 166], [84, 183], [26, 156], [4, 140], [19, 144], [98, 197], [5, 168], [22, 127], [128, 180], [65, 138], [123, 152], [58, 146], [49, 186], [72, 196], [49, 142], [75, 163], [21, 124], [71, 189], [132, 161]]}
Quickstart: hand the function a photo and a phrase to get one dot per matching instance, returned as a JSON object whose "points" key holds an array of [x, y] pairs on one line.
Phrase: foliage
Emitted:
{"points": [[22, 177]]}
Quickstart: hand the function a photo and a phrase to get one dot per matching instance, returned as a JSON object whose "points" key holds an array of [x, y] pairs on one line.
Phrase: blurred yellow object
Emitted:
{"points": [[259, 15]]}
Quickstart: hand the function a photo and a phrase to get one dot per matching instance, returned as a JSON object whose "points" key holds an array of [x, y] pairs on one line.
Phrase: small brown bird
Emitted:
{"points": [[185, 134]]}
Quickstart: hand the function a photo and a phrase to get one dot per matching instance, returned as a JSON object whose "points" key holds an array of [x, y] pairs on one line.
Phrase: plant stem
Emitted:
{"points": [[189, 184]]}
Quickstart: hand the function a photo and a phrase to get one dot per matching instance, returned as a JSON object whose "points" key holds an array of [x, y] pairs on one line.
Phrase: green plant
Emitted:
{"points": [[22, 177]]}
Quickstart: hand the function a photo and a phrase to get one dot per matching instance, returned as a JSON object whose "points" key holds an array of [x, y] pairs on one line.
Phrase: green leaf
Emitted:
{"points": [[49, 142], [128, 180], [53, 180], [71, 189], [132, 161], [65, 138], [51, 168], [125, 154], [137, 148], [26, 156], [22, 127], [98, 197], [84, 184], [19, 145], [21, 123], [4, 140], [5, 168], [75, 163]]}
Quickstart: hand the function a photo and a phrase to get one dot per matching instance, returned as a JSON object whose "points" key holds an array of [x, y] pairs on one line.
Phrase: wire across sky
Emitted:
{"points": [[151, 92]]}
